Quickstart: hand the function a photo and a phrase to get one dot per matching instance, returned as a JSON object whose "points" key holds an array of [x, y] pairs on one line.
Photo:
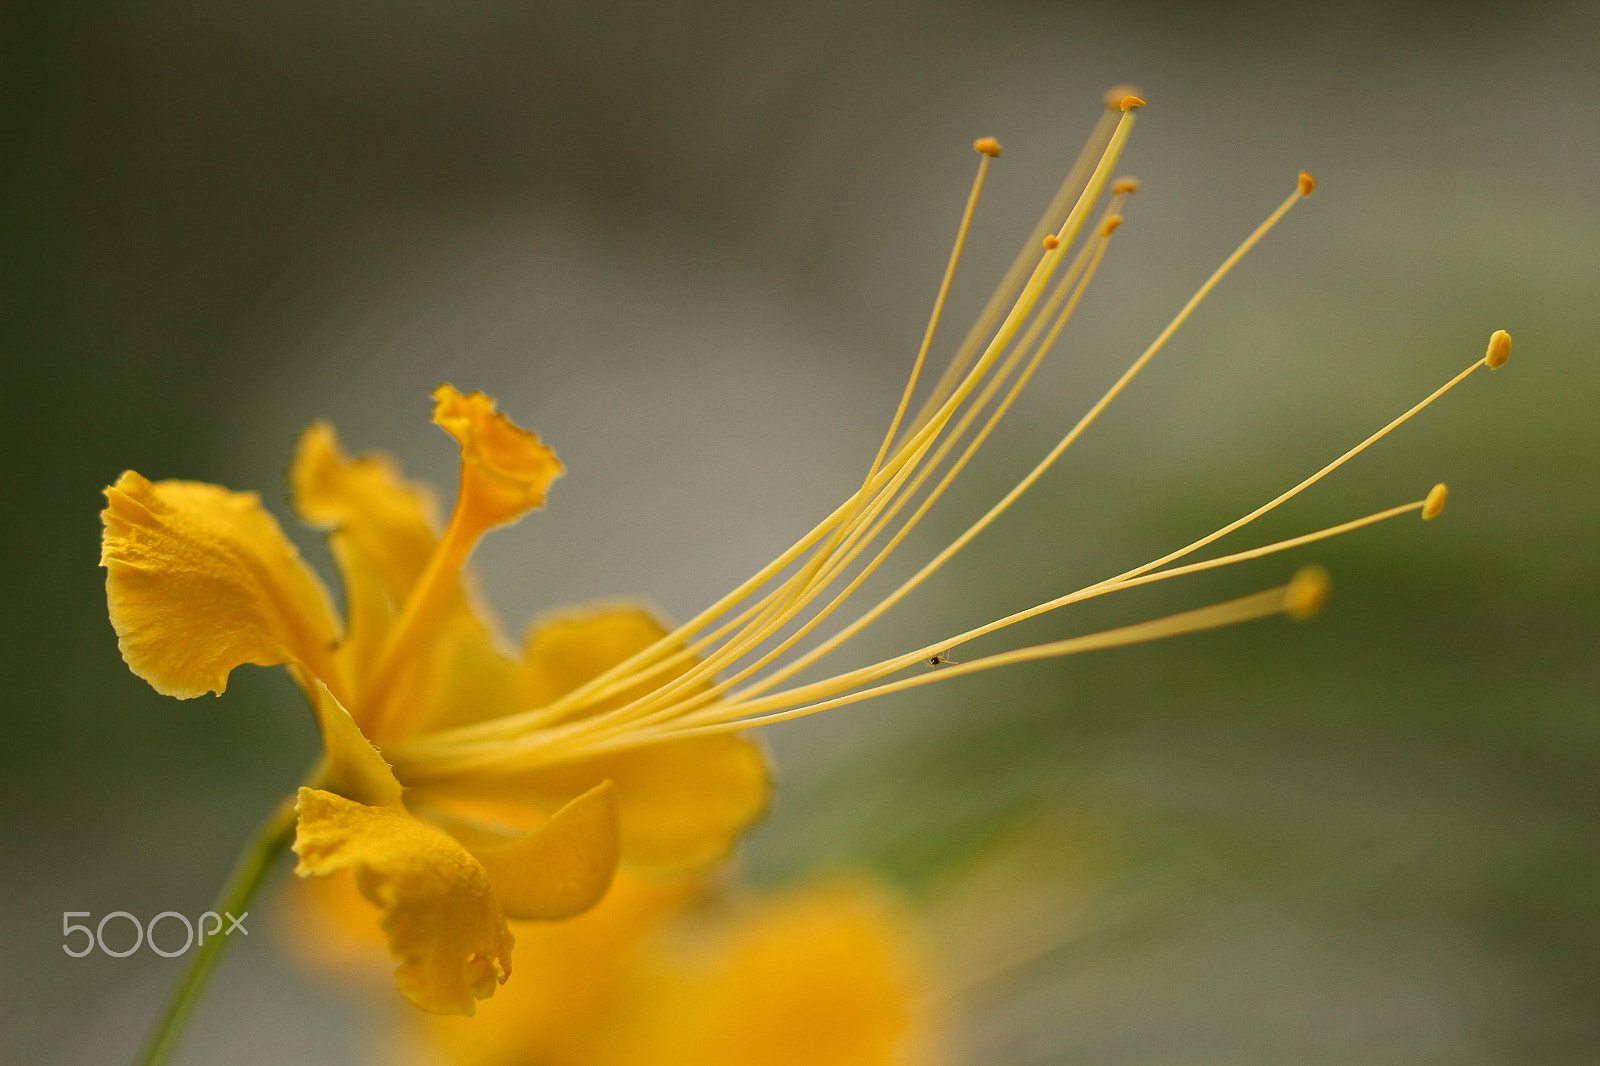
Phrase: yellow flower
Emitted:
{"points": [[671, 973], [510, 786], [201, 579]]}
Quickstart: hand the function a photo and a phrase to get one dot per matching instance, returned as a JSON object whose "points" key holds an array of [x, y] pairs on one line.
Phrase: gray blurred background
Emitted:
{"points": [[694, 246]]}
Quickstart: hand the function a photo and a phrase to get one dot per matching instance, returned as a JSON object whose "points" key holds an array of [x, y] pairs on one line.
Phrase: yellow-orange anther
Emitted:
{"points": [[1125, 186], [1308, 184], [988, 146], [1306, 593], [1435, 501], [1499, 349], [1118, 93], [1110, 224], [1051, 241], [1128, 103]]}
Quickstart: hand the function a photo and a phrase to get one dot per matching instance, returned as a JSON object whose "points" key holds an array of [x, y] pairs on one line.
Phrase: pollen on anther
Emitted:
{"points": [[988, 146], [1306, 594], [1435, 501], [1125, 186], [1128, 103], [1499, 349], [1308, 184], [1051, 241], [1110, 224]]}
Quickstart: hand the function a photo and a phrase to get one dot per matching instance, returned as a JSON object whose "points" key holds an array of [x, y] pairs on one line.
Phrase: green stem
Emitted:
{"points": [[249, 873]]}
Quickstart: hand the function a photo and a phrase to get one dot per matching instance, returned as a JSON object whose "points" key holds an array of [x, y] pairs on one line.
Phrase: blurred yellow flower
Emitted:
{"points": [[201, 580], [674, 973]]}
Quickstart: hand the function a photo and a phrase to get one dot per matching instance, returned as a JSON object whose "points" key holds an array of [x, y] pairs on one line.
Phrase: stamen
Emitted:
{"points": [[1049, 460], [1308, 482], [889, 666], [1308, 184], [989, 148], [1006, 292], [1232, 612]]}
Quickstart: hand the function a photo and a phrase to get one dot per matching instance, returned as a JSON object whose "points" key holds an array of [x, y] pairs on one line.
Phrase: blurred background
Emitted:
{"points": [[694, 246]]}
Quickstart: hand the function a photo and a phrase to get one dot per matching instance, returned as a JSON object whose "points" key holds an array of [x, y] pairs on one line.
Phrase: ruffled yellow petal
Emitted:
{"points": [[439, 912], [561, 868], [821, 977], [355, 769], [505, 470], [200, 580]]}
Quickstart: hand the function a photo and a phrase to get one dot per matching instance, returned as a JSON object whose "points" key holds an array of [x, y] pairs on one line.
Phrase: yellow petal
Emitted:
{"points": [[505, 470], [355, 769], [440, 915], [684, 803], [200, 580], [681, 804], [464, 677], [390, 523], [820, 977], [565, 650], [381, 530], [562, 868]]}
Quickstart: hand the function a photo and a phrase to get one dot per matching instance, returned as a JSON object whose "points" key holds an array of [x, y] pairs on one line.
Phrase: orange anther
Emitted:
{"points": [[1128, 103], [1125, 186], [1110, 224], [988, 146], [1308, 184], [1051, 241]]}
